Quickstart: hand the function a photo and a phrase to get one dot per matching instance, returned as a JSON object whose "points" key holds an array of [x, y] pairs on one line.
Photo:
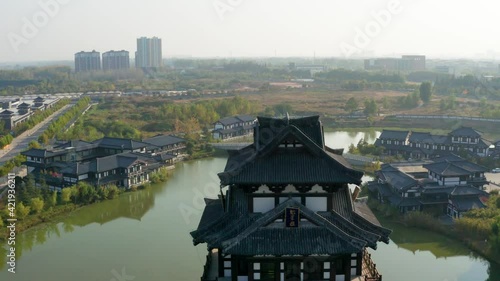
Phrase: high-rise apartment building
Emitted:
{"points": [[148, 53], [87, 61], [113, 60]]}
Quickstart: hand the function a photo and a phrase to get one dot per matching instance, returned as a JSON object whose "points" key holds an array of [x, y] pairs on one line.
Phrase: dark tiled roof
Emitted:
{"points": [[113, 162], [272, 164], [39, 99], [77, 168], [229, 121], [236, 119], [396, 178], [421, 137], [293, 241], [385, 190], [466, 190], [394, 135], [246, 118], [438, 139], [454, 168], [42, 153], [446, 169], [7, 112], [437, 189], [163, 140], [164, 156], [318, 237], [243, 233], [213, 211], [448, 158], [467, 203], [120, 143], [466, 131], [311, 126], [79, 145], [484, 143]]}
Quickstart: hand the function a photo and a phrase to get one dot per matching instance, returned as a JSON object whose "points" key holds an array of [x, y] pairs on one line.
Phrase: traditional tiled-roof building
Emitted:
{"points": [[288, 213], [449, 185], [425, 145], [232, 127], [118, 161]]}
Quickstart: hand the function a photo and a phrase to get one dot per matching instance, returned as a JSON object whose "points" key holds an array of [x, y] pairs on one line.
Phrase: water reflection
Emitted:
{"points": [[133, 205], [145, 232], [130, 205], [430, 251]]}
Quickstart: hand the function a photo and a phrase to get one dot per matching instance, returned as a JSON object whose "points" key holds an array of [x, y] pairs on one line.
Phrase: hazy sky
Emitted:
{"points": [[224, 28]]}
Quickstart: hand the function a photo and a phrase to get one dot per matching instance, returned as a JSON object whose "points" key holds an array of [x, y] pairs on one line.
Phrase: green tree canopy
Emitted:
{"points": [[351, 105], [37, 205], [426, 91]]}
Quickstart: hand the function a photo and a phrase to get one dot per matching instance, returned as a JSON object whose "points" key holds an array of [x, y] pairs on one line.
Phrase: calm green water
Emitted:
{"points": [[146, 235]]}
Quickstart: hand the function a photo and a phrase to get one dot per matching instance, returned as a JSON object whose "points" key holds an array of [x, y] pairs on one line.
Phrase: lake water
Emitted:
{"points": [[145, 235]]}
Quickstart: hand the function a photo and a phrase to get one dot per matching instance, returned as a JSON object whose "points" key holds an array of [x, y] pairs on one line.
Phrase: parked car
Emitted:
{"points": [[496, 170]]}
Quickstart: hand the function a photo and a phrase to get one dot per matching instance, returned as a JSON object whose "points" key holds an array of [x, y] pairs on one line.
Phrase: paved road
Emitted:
{"points": [[21, 142], [495, 179]]}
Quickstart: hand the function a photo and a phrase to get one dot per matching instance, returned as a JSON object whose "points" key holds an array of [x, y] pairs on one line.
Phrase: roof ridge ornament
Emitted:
{"points": [[287, 119]]}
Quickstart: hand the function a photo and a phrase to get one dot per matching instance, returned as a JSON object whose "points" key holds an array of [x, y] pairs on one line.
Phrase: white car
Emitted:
{"points": [[496, 170]]}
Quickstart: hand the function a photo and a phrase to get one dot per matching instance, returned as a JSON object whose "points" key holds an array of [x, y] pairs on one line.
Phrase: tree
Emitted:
{"points": [[52, 199], [113, 191], [386, 103], [426, 91], [22, 211], [351, 105], [283, 109], [34, 144], [370, 108], [66, 195], [37, 205]]}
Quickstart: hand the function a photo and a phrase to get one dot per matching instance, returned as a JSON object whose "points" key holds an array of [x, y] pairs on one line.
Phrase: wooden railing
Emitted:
{"points": [[371, 267], [206, 267]]}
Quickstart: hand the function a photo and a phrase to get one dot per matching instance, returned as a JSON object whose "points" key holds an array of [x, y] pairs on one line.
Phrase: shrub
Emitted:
{"points": [[37, 205], [113, 191], [22, 211]]}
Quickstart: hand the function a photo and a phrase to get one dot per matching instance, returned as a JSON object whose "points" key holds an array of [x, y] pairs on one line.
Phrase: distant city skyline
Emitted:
{"points": [[51, 30]]}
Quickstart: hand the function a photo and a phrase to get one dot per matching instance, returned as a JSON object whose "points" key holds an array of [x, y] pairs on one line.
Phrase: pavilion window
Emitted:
{"points": [[267, 271], [339, 265], [292, 270], [313, 270], [242, 268]]}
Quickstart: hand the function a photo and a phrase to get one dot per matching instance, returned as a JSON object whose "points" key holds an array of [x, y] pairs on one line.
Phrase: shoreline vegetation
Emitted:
{"points": [[475, 233], [176, 118], [38, 205]]}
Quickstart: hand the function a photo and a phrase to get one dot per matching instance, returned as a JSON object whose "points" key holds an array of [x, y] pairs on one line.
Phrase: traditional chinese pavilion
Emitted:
{"points": [[286, 211]]}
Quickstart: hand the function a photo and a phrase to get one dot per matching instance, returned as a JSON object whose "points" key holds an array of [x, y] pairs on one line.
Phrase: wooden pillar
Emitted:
{"points": [[333, 273], [277, 270], [359, 263], [221, 263], [347, 267], [235, 264], [250, 270]]}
